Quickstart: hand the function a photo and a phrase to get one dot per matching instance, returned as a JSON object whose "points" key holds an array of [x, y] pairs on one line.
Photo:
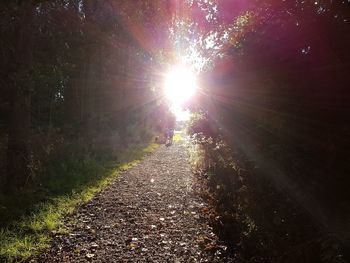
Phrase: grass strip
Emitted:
{"points": [[32, 233], [178, 137]]}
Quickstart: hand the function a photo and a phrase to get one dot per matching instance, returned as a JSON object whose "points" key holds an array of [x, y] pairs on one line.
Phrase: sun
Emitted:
{"points": [[180, 85], [180, 113]]}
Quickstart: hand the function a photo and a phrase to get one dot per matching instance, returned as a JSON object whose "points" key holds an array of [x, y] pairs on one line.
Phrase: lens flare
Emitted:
{"points": [[180, 85]]}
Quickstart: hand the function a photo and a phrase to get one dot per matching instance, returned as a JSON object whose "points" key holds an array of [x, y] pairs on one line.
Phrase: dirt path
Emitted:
{"points": [[149, 214]]}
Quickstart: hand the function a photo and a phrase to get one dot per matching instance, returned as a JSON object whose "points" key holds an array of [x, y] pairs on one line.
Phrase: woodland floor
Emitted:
{"points": [[149, 214]]}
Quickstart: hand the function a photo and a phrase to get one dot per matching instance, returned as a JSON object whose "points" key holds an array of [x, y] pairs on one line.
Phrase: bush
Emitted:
{"points": [[258, 221]]}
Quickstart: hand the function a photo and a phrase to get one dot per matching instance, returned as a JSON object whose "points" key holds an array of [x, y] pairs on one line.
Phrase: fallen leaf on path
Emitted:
{"points": [[88, 255], [133, 245]]}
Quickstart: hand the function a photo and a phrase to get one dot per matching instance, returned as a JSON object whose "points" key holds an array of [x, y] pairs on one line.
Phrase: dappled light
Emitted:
{"points": [[174, 131]]}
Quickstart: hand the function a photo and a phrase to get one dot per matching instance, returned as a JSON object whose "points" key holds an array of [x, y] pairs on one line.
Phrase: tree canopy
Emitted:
{"points": [[85, 77]]}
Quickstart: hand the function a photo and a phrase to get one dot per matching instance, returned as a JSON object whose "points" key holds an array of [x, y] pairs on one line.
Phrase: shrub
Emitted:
{"points": [[258, 221]]}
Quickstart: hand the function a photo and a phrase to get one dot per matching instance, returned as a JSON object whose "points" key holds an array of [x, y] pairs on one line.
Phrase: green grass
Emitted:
{"points": [[29, 219], [177, 137]]}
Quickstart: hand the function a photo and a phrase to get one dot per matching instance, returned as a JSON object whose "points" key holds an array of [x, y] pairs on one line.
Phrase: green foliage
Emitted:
{"points": [[29, 219], [77, 81], [258, 221], [178, 137], [200, 124], [277, 84]]}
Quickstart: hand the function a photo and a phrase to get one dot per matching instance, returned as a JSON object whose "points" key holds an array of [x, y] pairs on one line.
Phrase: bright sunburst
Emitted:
{"points": [[180, 85]]}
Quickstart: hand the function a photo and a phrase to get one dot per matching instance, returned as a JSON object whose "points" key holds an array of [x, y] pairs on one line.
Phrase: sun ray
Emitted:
{"points": [[180, 85]]}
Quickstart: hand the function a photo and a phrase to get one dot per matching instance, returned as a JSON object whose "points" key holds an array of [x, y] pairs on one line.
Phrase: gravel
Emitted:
{"points": [[149, 214]]}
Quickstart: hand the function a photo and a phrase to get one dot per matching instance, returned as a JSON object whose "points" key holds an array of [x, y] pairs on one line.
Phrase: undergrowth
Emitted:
{"points": [[27, 220], [257, 221]]}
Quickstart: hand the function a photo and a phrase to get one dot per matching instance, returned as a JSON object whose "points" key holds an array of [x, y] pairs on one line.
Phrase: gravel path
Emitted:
{"points": [[149, 214]]}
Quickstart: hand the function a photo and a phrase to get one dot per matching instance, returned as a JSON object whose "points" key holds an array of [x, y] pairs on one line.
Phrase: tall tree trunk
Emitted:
{"points": [[18, 153], [91, 77]]}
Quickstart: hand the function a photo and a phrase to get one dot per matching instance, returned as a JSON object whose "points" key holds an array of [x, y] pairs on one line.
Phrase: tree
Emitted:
{"points": [[72, 72], [18, 153]]}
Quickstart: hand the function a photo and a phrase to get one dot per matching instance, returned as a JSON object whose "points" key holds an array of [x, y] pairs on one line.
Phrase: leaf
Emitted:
{"points": [[90, 255]]}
